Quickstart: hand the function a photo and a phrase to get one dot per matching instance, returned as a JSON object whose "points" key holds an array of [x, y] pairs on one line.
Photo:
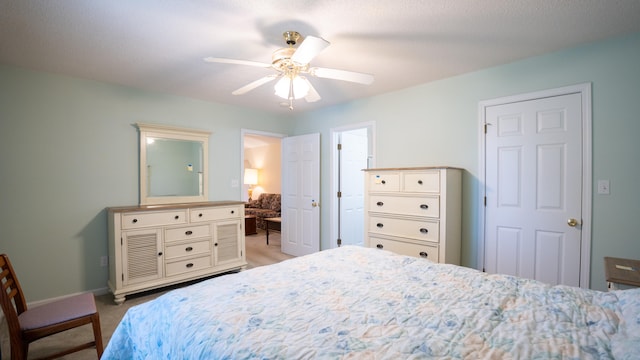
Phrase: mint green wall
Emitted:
{"points": [[68, 150], [438, 124]]}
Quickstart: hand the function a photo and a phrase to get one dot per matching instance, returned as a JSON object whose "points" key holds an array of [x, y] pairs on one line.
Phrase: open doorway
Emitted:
{"points": [[352, 151], [261, 179]]}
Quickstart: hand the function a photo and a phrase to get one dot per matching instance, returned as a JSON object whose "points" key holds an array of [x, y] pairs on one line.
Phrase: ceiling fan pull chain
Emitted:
{"points": [[291, 94]]}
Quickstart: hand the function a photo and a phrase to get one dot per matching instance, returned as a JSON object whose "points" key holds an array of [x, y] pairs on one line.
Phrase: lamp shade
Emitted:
{"points": [[251, 176]]}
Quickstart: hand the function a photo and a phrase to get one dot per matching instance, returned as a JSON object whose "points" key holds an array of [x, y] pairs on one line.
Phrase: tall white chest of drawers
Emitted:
{"points": [[159, 245], [415, 211]]}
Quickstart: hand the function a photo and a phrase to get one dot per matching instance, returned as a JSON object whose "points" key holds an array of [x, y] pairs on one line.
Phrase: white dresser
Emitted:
{"points": [[414, 211], [158, 245]]}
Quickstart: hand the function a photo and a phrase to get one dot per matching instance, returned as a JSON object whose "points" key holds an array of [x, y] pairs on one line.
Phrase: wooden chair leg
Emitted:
{"points": [[97, 333]]}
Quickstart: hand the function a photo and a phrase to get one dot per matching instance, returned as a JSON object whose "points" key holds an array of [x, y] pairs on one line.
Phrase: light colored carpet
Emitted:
{"points": [[258, 254]]}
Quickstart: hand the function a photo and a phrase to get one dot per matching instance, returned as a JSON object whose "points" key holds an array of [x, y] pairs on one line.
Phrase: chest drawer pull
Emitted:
{"points": [[233, 211], [379, 246], [424, 206], [177, 217], [424, 231], [423, 254], [188, 232], [419, 182], [134, 221], [189, 265], [188, 248], [380, 225], [383, 182], [200, 215], [379, 203]]}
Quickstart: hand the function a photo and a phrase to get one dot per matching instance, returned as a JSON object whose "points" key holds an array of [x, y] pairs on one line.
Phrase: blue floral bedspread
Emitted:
{"points": [[361, 303]]}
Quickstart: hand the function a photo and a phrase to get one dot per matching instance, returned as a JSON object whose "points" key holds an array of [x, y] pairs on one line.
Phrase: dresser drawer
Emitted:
{"points": [[187, 232], [405, 248], [135, 220], [428, 206], [384, 181], [423, 181], [420, 230], [184, 266], [185, 249], [216, 213]]}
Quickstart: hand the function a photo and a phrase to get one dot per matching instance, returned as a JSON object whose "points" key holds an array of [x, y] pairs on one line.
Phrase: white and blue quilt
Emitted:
{"points": [[361, 303]]}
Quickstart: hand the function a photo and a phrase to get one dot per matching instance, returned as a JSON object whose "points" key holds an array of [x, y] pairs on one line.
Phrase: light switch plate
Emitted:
{"points": [[603, 187]]}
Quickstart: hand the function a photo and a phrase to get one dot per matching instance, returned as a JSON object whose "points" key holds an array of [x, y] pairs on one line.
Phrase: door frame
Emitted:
{"points": [[584, 90], [333, 170]]}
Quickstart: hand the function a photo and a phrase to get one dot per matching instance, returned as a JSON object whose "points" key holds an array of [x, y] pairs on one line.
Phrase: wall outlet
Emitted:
{"points": [[104, 261]]}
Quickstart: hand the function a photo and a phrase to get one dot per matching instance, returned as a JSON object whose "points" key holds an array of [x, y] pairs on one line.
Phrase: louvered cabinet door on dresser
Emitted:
{"points": [[415, 211], [160, 245]]}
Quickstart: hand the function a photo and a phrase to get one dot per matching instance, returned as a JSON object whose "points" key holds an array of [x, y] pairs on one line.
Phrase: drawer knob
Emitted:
{"points": [[419, 182], [424, 206], [160, 253], [424, 231], [134, 221], [379, 203], [176, 217], [383, 182], [188, 232], [188, 248], [379, 246], [233, 211], [189, 265], [380, 225], [423, 254], [215, 244], [200, 215]]}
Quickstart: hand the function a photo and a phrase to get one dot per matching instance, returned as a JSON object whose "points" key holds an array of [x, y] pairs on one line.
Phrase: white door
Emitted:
{"points": [[301, 194], [353, 158], [534, 187]]}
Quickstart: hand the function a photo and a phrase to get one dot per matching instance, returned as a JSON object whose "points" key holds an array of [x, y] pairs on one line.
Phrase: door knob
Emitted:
{"points": [[572, 222], [314, 204]]}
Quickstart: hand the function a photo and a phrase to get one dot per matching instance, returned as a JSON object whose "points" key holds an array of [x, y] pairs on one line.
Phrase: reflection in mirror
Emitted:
{"points": [[173, 165]]}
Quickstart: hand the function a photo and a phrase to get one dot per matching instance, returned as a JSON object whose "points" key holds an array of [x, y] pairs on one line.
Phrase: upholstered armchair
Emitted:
{"points": [[265, 206]]}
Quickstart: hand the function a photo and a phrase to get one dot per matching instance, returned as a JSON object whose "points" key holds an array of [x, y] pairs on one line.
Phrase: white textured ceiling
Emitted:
{"points": [[159, 45]]}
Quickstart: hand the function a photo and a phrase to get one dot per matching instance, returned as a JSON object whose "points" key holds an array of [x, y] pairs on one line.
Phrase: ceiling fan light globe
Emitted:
{"points": [[283, 86], [300, 87]]}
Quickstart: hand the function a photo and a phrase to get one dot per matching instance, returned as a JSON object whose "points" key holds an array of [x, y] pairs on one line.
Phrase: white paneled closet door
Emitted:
{"points": [[534, 189]]}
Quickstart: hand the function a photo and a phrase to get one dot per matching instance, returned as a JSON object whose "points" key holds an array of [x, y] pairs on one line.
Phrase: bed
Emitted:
{"points": [[362, 303]]}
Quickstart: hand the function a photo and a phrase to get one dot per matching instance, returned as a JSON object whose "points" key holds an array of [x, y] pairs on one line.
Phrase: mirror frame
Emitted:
{"points": [[172, 133]]}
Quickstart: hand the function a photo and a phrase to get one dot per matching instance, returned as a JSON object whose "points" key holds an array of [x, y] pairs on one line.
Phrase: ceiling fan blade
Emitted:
{"points": [[312, 95], [252, 85], [343, 75], [237, 62], [310, 48]]}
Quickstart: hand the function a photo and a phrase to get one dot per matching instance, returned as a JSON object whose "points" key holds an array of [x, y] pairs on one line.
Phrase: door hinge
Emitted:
{"points": [[339, 242], [485, 201], [339, 146], [121, 242], [485, 128], [122, 276], [339, 194]]}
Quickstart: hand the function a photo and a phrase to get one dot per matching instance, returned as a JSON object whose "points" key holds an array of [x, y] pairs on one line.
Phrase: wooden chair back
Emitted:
{"points": [[75, 311]]}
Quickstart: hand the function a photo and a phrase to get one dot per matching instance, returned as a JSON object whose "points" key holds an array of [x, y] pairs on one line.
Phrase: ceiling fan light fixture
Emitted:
{"points": [[288, 89]]}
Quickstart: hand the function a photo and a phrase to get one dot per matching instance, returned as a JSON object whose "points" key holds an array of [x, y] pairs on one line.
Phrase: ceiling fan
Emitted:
{"points": [[290, 64]]}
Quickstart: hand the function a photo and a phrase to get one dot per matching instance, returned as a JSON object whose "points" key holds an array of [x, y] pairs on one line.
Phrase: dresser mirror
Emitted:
{"points": [[173, 164]]}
